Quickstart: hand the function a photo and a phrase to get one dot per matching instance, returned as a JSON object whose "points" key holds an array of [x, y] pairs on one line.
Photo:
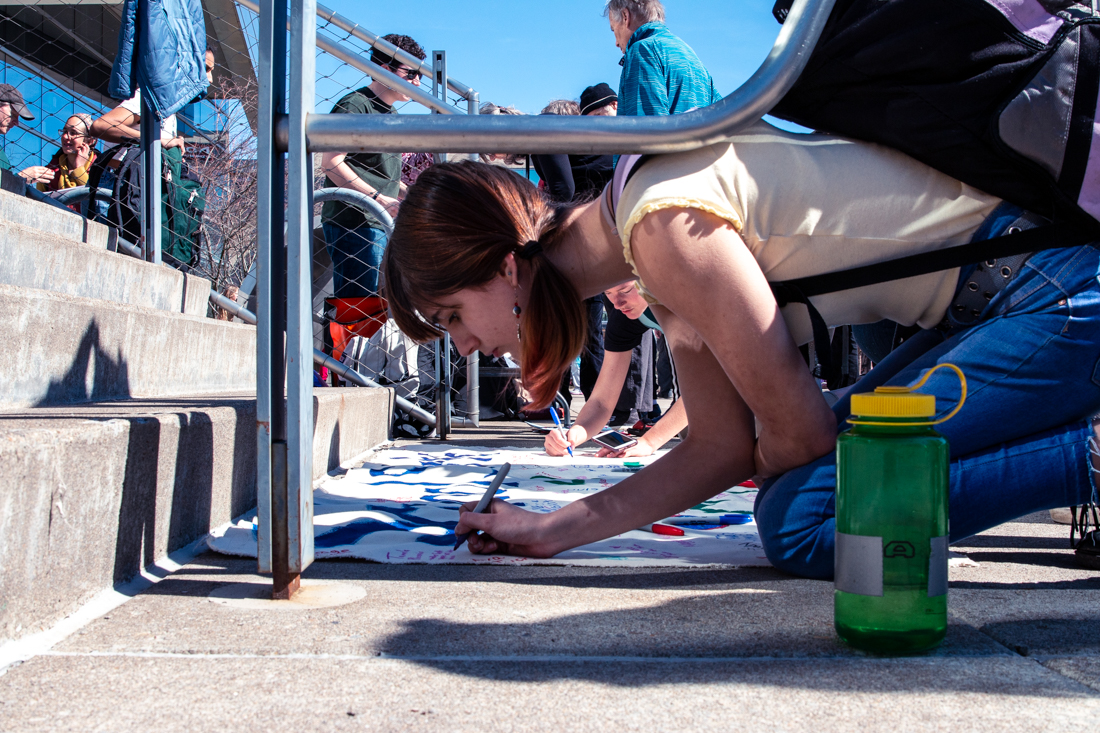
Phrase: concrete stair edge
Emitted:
{"points": [[44, 260], [52, 220], [90, 495], [65, 349]]}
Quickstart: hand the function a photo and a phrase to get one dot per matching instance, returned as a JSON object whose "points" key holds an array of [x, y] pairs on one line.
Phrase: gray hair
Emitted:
{"points": [[561, 107], [647, 11], [488, 108]]}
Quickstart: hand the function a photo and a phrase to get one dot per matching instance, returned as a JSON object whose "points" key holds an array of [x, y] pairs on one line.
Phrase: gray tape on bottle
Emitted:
{"points": [[858, 564], [937, 567]]}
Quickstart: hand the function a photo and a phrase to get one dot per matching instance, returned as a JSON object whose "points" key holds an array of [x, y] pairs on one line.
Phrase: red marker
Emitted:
{"points": [[665, 530]]}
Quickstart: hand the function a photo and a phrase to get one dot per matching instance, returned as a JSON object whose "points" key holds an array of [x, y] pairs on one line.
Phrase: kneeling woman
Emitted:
{"points": [[481, 254]]}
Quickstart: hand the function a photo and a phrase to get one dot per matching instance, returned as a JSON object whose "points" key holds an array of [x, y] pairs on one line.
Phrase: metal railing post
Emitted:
{"points": [[299, 304], [443, 345], [271, 294], [150, 189], [473, 365]]}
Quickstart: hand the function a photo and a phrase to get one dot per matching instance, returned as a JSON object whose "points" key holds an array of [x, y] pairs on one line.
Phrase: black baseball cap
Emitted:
{"points": [[597, 96], [11, 95]]}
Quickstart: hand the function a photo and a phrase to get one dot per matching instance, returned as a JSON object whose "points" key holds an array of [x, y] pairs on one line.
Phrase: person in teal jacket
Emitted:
{"points": [[661, 74]]}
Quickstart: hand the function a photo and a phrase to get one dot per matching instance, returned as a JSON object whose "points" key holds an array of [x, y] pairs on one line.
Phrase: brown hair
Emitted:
{"points": [[457, 224]]}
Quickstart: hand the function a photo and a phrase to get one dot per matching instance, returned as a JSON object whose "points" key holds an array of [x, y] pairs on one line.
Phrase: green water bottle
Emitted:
{"points": [[891, 523]]}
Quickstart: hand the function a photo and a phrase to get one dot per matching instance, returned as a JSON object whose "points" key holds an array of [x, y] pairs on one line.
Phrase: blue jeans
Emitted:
{"points": [[1020, 442], [356, 259]]}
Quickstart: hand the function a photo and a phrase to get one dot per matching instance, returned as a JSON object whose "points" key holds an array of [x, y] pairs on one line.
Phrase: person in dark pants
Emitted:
{"points": [[580, 178], [355, 238]]}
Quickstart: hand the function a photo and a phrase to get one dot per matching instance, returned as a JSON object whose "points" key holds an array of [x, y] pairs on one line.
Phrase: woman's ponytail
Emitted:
{"points": [[553, 328]]}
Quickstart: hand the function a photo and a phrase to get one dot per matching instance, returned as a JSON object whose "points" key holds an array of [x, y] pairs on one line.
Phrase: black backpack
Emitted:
{"points": [[999, 94], [182, 198]]}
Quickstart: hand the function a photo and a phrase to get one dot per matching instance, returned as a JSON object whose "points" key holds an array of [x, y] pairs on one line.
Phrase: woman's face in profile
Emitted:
{"points": [[481, 319]]}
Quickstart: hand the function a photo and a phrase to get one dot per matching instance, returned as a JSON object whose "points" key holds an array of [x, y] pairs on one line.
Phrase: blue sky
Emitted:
{"points": [[514, 52], [526, 53]]}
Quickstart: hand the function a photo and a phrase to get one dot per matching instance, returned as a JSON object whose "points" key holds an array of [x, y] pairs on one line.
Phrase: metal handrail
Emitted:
{"points": [[355, 198], [393, 81], [545, 134], [81, 193]]}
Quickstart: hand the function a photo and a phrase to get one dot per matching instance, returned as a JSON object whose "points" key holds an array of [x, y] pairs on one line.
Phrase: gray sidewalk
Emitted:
{"points": [[557, 648]]}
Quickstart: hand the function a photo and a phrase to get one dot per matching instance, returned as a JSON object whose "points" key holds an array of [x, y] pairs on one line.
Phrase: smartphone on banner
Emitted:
{"points": [[615, 440]]}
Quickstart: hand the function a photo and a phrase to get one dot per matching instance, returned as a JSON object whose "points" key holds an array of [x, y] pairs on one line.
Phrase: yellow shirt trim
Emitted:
{"points": [[669, 203]]}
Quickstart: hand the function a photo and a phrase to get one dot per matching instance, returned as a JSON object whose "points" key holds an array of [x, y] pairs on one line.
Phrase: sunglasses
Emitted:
{"points": [[406, 72]]}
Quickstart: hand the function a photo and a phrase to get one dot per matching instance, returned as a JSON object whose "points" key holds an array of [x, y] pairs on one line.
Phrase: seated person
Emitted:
{"points": [[123, 123], [627, 322], [72, 162], [389, 357]]}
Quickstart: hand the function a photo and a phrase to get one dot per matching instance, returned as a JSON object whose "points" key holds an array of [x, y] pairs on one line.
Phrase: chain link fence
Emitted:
{"points": [[81, 150]]}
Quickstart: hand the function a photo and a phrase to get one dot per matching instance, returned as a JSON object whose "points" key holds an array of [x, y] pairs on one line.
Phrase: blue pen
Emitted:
{"points": [[554, 414]]}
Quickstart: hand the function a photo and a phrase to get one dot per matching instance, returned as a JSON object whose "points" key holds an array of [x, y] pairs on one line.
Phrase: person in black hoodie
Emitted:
{"points": [[570, 178]]}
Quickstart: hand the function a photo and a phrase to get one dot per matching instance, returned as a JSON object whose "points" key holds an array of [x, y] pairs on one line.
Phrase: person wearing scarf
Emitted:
{"points": [[73, 161]]}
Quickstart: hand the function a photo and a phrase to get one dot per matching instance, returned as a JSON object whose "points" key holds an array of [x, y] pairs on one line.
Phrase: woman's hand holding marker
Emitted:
{"points": [[529, 530]]}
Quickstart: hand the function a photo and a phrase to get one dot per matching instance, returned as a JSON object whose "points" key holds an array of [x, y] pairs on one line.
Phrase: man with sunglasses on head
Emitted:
{"points": [[354, 237]]}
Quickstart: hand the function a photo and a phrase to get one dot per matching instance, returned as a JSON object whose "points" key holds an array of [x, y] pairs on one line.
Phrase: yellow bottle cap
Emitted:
{"points": [[893, 402]]}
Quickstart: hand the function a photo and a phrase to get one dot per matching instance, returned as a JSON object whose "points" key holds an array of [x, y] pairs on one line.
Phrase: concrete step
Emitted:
{"points": [[45, 248], [90, 494], [62, 349]]}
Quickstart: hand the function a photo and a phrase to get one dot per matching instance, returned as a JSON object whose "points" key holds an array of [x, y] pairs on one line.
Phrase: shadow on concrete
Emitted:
{"points": [[1073, 636], [1012, 542], [1058, 557], [135, 542], [193, 483], [1075, 584], [190, 505], [93, 375]]}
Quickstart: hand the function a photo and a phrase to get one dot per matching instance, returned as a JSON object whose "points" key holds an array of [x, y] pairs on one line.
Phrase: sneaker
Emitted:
{"points": [[1087, 550]]}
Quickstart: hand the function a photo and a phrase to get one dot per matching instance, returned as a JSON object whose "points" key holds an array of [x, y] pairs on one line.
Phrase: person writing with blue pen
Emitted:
{"points": [[627, 322]]}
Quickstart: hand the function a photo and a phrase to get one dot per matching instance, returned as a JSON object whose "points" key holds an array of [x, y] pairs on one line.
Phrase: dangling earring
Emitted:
{"points": [[517, 311]]}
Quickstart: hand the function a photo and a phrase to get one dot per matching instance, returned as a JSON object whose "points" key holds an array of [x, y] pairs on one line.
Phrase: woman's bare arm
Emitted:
{"points": [[734, 357], [717, 454], [597, 410], [698, 267]]}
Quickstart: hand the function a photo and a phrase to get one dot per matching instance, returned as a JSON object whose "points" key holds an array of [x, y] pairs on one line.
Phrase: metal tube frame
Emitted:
{"points": [[299, 302], [271, 451], [151, 188], [473, 369], [587, 134], [392, 80], [443, 345], [302, 134]]}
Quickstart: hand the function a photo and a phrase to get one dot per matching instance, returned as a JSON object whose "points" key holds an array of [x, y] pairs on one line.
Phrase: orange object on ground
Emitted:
{"points": [[354, 317]]}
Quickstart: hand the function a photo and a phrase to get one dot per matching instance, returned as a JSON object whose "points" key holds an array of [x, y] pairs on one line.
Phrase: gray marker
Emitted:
{"points": [[487, 498]]}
